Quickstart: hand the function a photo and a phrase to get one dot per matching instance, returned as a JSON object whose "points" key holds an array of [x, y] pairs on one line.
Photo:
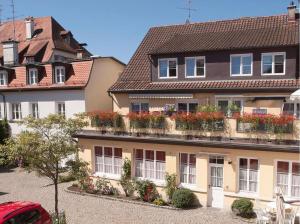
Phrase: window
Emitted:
{"points": [[230, 106], [32, 76], [241, 65], [167, 68], [16, 111], [195, 67], [34, 107], [248, 175], [3, 78], [28, 217], [187, 107], [61, 109], [139, 107], [60, 74], [291, 109], [108, 160], [187, 168], [150, 164], [288, 178], [273, 64]]}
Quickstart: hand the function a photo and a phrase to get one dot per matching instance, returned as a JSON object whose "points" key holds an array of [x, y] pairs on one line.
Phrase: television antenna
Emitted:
{"points": [[190, 10]]}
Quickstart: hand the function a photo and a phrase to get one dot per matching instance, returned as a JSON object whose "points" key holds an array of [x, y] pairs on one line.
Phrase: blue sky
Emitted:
{"points": [[116, 27]]}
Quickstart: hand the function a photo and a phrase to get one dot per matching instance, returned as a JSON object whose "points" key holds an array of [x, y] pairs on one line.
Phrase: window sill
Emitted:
{"points": [[192, 187], [167, 77], [270, 74], [242, 194], [241, 75], [107, 176], [159, 183], [195, 77]]}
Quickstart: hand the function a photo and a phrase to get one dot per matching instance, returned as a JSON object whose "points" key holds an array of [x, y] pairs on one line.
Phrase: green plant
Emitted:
{"points": [[208, 108], [171, 185], [146, 190], [243, 207], [159, 202], [4, 130], [66, 178], [183, 198], [59, 219], [128, 185], [105, 187]]}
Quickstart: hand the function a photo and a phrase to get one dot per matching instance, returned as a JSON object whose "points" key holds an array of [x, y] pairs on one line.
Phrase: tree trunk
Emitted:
{"points": [[56, 190]]}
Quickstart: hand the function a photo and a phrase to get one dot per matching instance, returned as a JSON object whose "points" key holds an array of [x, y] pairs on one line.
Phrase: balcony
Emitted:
{"points": [[208, 126]]}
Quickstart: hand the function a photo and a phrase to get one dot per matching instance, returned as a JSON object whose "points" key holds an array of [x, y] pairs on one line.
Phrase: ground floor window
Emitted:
{"points": [[292, 109], [187, 168], [230, 106], [108, 160], [150, 164], [187, 107], [139, 107], [16, 111], [288, 178], [248, 174]]}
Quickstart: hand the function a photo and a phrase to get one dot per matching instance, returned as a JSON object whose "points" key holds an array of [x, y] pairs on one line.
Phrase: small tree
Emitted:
{"points": [[126, 182], [45, 144], [171, 185]]}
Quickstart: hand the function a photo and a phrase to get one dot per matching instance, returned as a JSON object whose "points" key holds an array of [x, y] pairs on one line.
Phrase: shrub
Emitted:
{"points": [[4, 130], [126, 182], [105, 187], [66, 178], [171, 185], [183, 198], [87, 185], [61, 219], [146, 190], [159, 202], [242, 207]]}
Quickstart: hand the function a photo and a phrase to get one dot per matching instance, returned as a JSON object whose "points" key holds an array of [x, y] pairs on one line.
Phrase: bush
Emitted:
{"points": [[146, 190], [183, 198], [243, 207], [128, 185], [4, 131], [61, 219], [159, 202], [105, 187], [66, 178], [171, 185]]}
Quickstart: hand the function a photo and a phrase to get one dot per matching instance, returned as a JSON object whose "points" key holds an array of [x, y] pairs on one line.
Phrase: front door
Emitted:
{"points": [[216, 197]]}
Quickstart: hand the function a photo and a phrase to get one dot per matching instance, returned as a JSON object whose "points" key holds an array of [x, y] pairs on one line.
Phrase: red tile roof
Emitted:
{"points": [[77, 77], [48, 33], [238, 33]]}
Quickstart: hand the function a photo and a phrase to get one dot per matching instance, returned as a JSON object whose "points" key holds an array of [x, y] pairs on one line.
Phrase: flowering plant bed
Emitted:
{"points": [[106, 119], [202, 121], [155, 120], [265, 123]]}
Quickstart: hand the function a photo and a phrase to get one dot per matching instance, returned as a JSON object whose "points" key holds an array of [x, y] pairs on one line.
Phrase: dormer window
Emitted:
{"points": [[33, 76], [241, 65], [195, 67], [3, 78], [167, 68], [273, 63], [60, 74]]}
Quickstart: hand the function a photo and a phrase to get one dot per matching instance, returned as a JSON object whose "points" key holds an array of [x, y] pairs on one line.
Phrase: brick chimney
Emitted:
{"points": [[292, 11], [10, 52], [29, 22]]}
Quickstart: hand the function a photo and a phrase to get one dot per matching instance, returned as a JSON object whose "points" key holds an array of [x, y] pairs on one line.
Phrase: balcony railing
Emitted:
{"points": [[201, 125]]}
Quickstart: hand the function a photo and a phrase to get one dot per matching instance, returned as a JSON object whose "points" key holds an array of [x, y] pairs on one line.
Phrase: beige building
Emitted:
{"points": [[243, 145]]}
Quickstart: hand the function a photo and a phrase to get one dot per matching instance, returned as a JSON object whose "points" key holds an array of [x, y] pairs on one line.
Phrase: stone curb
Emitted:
{"points": [[122, 200]]}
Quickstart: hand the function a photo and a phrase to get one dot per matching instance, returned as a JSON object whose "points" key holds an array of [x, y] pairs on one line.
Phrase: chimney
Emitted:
{"points": [[10, 52], [29, 27], [292, 11]]}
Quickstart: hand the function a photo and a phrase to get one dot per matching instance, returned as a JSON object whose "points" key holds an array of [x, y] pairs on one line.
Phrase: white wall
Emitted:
{"points": [[74, 103]]}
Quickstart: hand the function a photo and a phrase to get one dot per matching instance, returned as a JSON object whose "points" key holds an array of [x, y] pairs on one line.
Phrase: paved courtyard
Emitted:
{"points": [[18, 185]]}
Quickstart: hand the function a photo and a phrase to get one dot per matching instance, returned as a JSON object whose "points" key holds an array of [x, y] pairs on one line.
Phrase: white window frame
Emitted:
{"points": [[4, 78], [248, 179], [32, 71], [273, 54], [188, 102], [104, 174], [289, 196], [241, 65], [188, 173], [32, 112], [159, 181], [14, 112], [195, 68], [57, 108], [168, 75], [59, 78]]}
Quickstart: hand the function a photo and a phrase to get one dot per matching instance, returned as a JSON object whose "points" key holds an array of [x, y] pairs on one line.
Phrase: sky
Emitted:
{"points": [[116, 27]]}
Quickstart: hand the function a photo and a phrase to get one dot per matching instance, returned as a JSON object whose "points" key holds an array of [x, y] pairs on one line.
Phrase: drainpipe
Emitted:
{"points": [[4, 102]]}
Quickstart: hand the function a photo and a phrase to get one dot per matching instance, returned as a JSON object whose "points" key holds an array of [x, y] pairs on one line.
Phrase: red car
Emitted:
{"points": [[23, 213]]}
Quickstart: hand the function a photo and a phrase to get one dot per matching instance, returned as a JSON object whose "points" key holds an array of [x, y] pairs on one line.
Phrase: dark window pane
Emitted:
{"points": [[246, 62], [108, 151], [183, 158], [267, 64], [220, 160], [135, 107], [288, 108], [144, 107], [163, 68], [212, 159], [253, 164], [192, 159], [236, 65], [98, 151], [200, 71], [118, 152], [298, 111], [149, 155], [296, 168], [190, 67], [267, 69], [282, 167], [223, 105], [193, 107], [278, 68], [172, 68], [182, 107], [139, 154], [161, 156], [243, 163]]}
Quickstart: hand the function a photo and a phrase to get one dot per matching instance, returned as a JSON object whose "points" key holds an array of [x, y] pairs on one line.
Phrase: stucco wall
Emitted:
{"points": [[104, 74]]}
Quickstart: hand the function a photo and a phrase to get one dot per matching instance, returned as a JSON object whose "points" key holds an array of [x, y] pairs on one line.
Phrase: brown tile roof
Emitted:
{"points": [[47, 29], [238, 33], [78, 76]]}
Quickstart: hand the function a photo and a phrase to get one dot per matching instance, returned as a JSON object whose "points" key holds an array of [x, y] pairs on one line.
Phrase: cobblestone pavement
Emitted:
{"points": [[19, 185]]}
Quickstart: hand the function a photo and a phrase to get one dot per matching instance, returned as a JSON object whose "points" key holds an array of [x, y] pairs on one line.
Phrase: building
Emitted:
{"points": [[44, 70], [247, 68]]}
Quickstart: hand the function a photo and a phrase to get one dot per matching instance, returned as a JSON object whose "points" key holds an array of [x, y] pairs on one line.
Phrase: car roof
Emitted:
{"points": [[10, 207]]}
